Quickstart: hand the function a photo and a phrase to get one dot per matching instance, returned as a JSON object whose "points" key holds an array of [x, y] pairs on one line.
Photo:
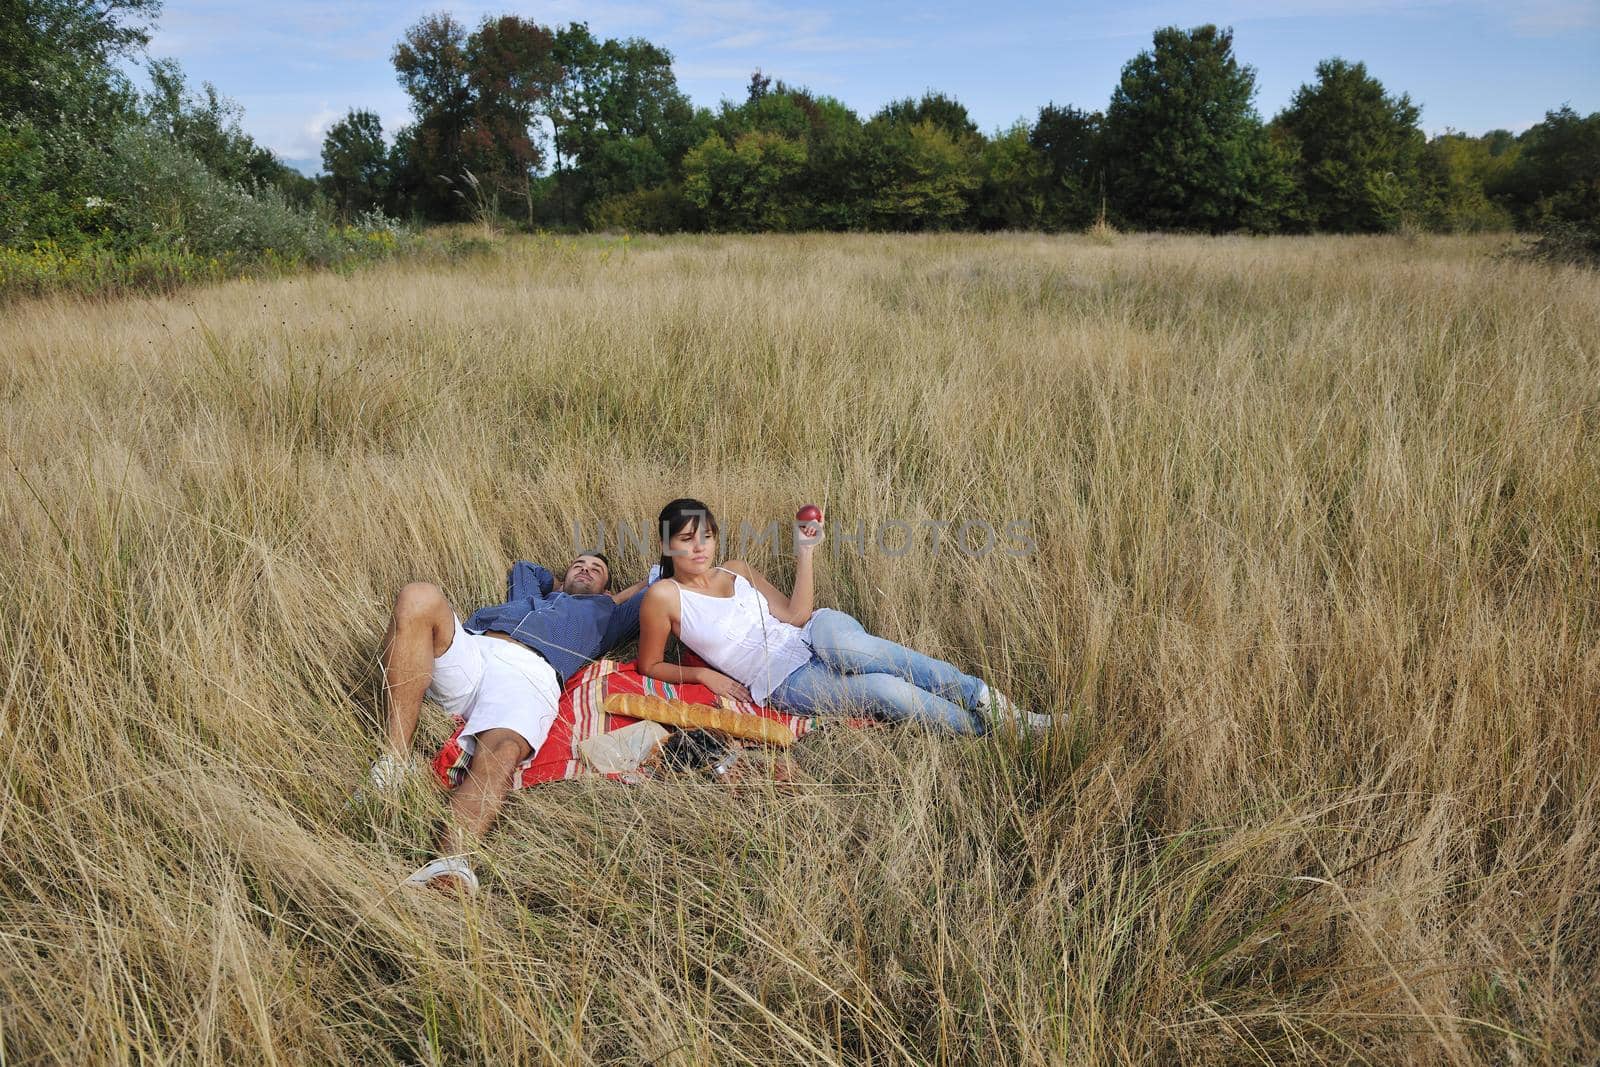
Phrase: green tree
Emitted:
{"points": [[752, 185], [62, 99], [47, 193], [924, 154], [1360, 150], [477, 99], [568, 108], [511, 70], [838, 180], [923, 178], [836, 183], [432, 63], [782, 110], [609, 91], [1184, 147], [357, 162], [58, 58], [1014, 179], [1068, 142], [623, 164], [1500, 142], [1276, 200], [1457, 172], [944, 112], [208, 126], [760, 85], [1555, 176]]}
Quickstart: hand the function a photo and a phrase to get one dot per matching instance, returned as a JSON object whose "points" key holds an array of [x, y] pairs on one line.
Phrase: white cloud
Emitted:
{"points": [[315, 128]]}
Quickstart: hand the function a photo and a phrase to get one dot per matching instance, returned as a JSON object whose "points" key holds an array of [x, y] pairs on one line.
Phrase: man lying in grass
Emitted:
{"points": [[502, 671]]}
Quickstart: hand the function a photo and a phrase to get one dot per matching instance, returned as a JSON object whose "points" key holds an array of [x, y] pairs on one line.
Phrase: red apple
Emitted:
{"points": [[808, 513]]}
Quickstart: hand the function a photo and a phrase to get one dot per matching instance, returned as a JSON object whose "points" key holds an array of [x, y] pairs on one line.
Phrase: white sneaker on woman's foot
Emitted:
{"points": [[444, 867], [995, 708]]}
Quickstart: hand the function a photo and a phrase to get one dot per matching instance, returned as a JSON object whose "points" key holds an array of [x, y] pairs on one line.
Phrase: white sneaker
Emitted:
{"points": [[444, 867], [995, 708]]}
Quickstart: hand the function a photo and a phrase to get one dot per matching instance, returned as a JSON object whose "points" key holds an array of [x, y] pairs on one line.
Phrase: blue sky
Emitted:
{"points": [[297, 66]]}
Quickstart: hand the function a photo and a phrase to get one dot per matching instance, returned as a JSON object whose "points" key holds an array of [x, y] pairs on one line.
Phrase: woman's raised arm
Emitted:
{"points": [[796, 608]]}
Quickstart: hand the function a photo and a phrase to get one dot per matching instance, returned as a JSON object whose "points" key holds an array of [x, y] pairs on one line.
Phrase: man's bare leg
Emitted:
{"points": [[421, 629], [477, 800]]}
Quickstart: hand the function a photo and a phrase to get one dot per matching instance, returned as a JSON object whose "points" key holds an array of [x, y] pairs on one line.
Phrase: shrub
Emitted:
{"points": [[43, 184], [162, 220], [161, 194], [1567, 242], [663, 209]]}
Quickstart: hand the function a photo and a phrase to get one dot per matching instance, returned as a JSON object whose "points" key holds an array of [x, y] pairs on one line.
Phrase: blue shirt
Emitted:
{"points": [[569, 631]]}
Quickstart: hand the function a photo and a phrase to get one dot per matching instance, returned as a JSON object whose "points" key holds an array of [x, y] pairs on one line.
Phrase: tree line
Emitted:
{"points": [[555, 127], [559, 128]]}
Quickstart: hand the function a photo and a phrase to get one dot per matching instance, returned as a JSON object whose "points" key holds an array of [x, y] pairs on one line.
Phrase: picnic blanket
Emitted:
{"points": [[582, 715]]}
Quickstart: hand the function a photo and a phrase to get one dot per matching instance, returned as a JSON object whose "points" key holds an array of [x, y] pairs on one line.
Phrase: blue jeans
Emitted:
{"points": [[852, 667]]}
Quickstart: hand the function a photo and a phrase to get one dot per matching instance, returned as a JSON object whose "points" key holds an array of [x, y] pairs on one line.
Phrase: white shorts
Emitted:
{"points": [[496, 685]]}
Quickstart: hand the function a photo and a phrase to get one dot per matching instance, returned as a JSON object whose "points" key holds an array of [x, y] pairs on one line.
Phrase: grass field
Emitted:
{"points": [[1315, 577]]}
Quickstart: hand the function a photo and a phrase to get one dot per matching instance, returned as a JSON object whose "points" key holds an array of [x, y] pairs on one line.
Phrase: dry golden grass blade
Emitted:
{"points": [[1306, 552]]}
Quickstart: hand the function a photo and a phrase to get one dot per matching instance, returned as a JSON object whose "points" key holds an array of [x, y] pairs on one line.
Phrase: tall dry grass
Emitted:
{"points": [[1316, 579]]}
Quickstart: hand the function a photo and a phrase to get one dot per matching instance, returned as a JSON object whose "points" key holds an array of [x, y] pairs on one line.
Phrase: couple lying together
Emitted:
{"points": [[503, 669]]}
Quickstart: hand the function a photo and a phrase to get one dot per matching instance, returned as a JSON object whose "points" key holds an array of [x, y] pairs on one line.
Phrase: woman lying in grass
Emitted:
{"points": [[776, 650]]}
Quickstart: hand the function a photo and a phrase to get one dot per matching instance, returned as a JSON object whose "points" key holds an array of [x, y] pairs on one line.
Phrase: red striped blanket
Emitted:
{"points": [[582, 715]]}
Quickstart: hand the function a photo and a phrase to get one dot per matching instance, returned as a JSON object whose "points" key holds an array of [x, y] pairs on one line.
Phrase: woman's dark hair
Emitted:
{"points": [[678, 516]]}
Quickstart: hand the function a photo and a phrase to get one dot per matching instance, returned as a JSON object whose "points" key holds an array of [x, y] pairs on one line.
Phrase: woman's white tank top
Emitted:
{"points": [[739, 636]]}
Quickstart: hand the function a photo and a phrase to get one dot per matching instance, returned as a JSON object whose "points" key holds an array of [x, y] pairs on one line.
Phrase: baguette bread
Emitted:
{"points": [[683, 714]]}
